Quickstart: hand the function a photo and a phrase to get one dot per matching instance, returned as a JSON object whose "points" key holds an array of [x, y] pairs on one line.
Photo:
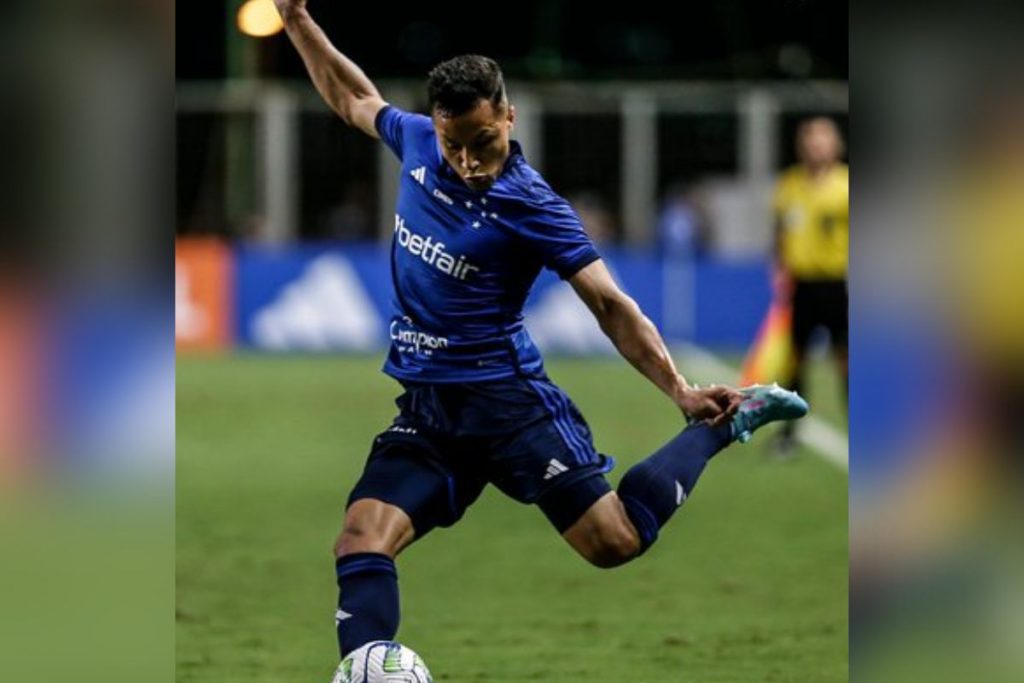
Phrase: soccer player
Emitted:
{"points": [[812, 226], [474, 226]]}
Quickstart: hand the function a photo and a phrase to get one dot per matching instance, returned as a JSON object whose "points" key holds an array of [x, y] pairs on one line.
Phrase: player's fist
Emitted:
{"points": [[715, 404]]}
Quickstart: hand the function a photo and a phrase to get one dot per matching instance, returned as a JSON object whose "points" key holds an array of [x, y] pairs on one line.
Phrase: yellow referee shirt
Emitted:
{"points": [[814, 221]]}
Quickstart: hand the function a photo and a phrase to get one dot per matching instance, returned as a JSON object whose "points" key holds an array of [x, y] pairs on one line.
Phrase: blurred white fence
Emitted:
{"points": [[632, 140]]}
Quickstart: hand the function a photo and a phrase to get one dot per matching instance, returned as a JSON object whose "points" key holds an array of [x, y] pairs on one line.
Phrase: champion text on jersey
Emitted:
{"points": [[433, 253], [411, 340]]}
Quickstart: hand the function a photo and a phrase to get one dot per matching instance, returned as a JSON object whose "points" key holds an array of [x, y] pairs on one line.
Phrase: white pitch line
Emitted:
{"points": [[819, 436]]}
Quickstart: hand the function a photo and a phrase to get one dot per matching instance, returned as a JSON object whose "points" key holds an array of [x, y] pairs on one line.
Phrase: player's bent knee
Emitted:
{"points": [[614, 549], [604, 536], [356, 539], [372, 526]]}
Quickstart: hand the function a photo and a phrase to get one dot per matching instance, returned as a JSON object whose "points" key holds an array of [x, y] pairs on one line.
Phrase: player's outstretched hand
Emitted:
{"points": [[284, 7], [715, 404]]}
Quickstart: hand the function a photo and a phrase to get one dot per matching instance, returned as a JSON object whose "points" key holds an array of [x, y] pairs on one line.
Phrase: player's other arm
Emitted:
{"points": [[341, 83], [639, 342]]}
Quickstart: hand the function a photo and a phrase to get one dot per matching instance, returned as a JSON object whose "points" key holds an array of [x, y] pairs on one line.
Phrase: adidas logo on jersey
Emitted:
{"points": [[554, 469], [420, 174]]}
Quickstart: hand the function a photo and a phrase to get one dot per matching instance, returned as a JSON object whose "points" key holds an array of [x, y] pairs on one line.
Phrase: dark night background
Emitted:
{"points": [[726, 39]]}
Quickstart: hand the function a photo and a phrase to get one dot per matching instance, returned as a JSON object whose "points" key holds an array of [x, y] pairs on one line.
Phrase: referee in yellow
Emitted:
{"points": [[812, 221]]}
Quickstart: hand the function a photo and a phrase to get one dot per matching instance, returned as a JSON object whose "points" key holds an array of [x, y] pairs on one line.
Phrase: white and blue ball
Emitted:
{"points": [[382, 661]]}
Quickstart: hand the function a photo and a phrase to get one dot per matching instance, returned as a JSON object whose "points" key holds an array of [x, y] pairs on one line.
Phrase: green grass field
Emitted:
{"points": [[747, 583]]}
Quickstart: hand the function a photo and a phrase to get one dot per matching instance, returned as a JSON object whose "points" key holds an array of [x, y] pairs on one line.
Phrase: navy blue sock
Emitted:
{"points": [[655, 488], [368, 600]]}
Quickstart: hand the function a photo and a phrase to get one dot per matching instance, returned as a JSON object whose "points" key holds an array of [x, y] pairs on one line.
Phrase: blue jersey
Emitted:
{"points": [[463, 262]]}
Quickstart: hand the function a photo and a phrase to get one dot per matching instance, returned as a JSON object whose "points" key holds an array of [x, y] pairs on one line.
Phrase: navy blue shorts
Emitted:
{"points": [[450, 440]]}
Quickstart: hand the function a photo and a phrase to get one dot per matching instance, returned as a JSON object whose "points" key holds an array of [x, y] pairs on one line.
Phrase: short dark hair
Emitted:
{"points": [[455, 86]]}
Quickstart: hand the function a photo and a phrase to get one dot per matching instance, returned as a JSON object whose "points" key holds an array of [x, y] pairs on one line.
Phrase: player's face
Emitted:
{"points": [[819, 142], [475, 143]]}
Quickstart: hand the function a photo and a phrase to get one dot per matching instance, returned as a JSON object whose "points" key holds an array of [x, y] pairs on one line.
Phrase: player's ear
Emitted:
{"points": [[510, 116]]}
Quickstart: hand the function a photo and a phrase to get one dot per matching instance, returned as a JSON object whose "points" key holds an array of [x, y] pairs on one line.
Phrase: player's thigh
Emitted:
{"points": [[407, 489], [550, 459]]}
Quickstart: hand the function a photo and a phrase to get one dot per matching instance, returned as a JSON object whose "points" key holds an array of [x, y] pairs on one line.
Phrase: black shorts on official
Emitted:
{"points": [[450, 440], [820, 303]]}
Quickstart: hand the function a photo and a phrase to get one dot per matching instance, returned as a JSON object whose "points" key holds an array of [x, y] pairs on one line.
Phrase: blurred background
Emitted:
{"points": [[937, 272], [666, 136]]}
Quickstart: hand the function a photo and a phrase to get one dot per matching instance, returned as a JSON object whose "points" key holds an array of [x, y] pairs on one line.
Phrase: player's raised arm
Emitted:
{"points": [[639, 342], [341, 83]]}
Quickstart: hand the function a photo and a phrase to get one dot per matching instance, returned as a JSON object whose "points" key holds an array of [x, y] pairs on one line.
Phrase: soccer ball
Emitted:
{"points": [[382, 661]]}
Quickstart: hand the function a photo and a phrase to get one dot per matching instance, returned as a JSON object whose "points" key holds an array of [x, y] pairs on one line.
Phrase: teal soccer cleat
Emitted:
{"points": [[763, 404]]}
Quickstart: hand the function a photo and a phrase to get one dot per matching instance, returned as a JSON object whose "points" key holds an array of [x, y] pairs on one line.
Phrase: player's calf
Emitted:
{"points": [[653, 489], [368, 608]]}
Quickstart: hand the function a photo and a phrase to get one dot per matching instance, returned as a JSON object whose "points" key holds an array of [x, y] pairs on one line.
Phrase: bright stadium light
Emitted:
{"points": [[259, 18]]}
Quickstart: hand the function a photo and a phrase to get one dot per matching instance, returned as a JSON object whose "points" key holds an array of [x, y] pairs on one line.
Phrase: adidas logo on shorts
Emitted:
{"points": [[402, 430], [554, 469]]}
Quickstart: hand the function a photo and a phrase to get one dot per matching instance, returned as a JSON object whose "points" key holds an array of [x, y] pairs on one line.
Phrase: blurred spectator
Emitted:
{"points": [[349, 219], [595, 215], [681, 229], [251, 227], [812, 219]]}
